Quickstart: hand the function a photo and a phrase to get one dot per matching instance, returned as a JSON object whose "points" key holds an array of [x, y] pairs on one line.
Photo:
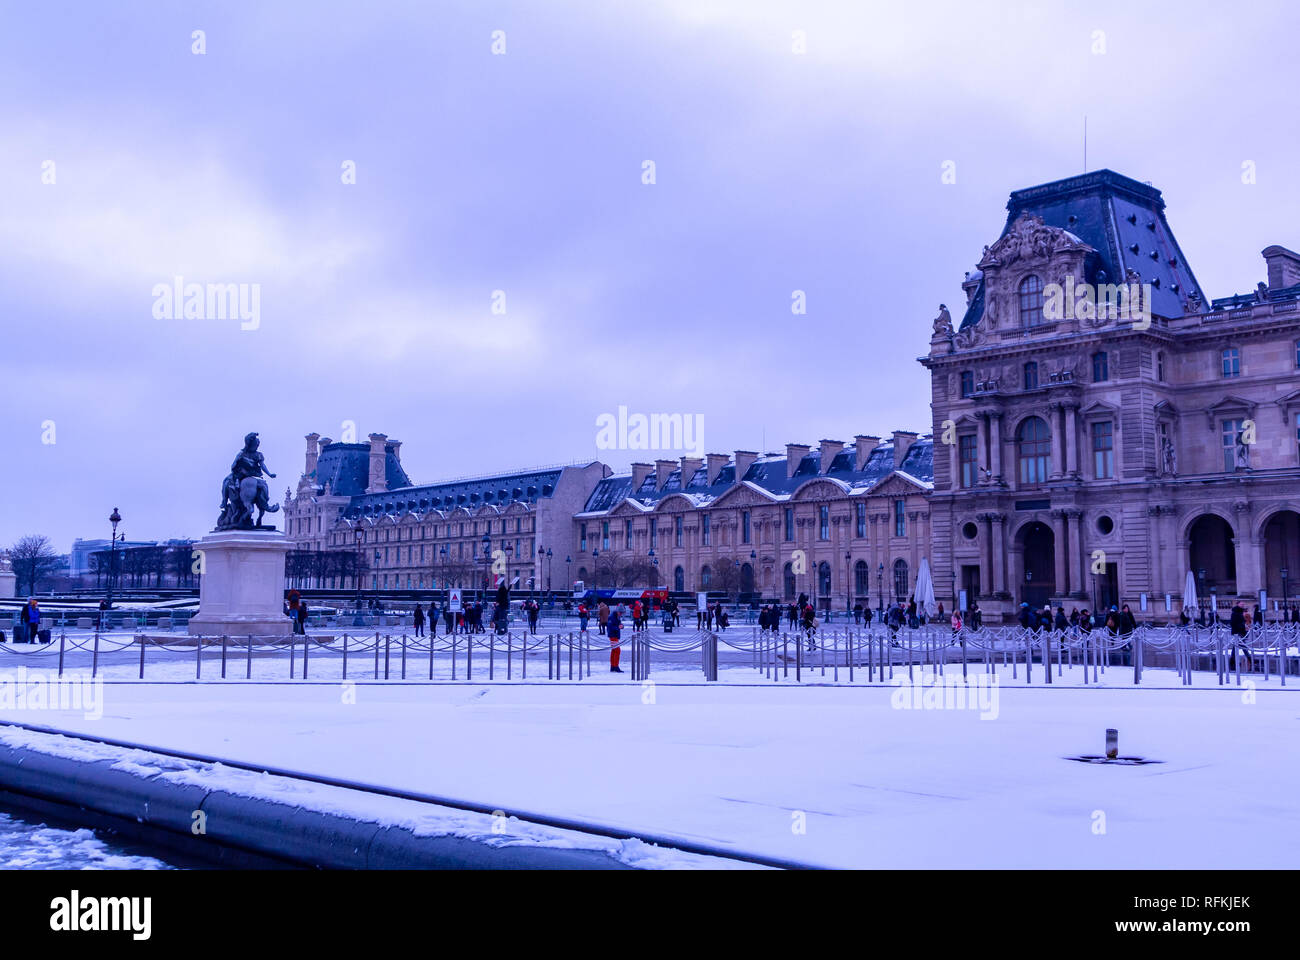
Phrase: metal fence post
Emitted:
{"points": [[223, 656], [248, 668], [345, 656]]}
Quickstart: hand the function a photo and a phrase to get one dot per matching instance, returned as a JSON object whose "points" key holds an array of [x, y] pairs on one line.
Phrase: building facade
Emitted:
{"points": [[464, 533], [841, 523], [1093, 456]]}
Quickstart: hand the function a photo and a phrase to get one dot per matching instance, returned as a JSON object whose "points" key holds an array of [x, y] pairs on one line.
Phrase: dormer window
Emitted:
{"points": [[1031, 301], [1031, 375]]}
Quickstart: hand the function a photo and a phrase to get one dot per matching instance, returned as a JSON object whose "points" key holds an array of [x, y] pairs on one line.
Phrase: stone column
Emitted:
{"points": [[995, 424], [999, 552], [1060, 540], [1057, 420], [1075, 518], [1072, 441], [981, 446]]}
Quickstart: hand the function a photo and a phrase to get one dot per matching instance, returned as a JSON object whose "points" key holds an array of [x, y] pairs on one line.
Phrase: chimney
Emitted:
{"points": [[794, 452], [313, 451], [862, 447], [395, 447], [1283, 267], [830, 449], [639, 472], [662, 470], [378, 470], [744, 460], [689, 466], [715, 461], [903, 440]]}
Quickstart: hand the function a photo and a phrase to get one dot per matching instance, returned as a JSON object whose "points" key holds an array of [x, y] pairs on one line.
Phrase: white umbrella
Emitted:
{"points": [[924, 592], [1189, 594]]}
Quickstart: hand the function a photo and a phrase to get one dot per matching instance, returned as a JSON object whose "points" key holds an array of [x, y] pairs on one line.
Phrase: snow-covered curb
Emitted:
{"points": [[305, 822]]}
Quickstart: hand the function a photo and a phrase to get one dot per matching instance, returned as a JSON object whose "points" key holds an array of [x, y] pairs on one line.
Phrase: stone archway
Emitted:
{"points": [[1037, 543], [1212, 556], [1281, 539]]}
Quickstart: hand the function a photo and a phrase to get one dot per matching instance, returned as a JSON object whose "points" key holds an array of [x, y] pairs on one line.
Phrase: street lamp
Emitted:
{"points": [[360, 536], [1285, 592], [549, 555], [568, 574], [595, 567], [880, 585], [114, 518], [487, 561], [848, 583], [537, 576]]}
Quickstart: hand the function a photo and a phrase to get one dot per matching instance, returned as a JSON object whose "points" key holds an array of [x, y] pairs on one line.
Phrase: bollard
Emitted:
{"points": [[431, 638], [223, 656], [570, 656], [388, 643], [453, 655], [293, 650], [1047, 654], [492, 651], [248, 669], [304, 659], [469, 656], [198, 657], [509, 664], [63, 637], [94, 663], [376, 654], [139, 636], [523, 658], [1112, 743], [345, 657], [798, 660]]}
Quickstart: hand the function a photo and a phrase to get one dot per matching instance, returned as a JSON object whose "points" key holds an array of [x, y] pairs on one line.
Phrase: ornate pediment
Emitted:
{"points": [[1030, 239], [896, 485]]}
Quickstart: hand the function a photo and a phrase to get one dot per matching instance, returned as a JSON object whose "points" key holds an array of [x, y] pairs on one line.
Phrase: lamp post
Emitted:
{"points": [[537, 576], [753, 566], [848, 583], [1285, 592], [595, 568], [568, 574], [487, 561], [114, 518], [880, 586], [548, 572], [360, 536], [1201, 592], [654, 565]]}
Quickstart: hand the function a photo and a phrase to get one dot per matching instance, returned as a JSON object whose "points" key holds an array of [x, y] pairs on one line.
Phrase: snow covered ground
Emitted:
{"points": [[837, 776], [36, 846]]}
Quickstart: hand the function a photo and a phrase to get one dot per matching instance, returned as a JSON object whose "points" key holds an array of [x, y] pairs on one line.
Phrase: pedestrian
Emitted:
{"points": [[1062, 622], [602, 617], [31, 621], [534, 611], [584, 617], [433, 618], [857, 612], [1127, 622], [419, 620], [614, 627]]}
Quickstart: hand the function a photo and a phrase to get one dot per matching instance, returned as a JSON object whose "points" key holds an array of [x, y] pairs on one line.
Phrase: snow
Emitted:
{"points": [[745, 766], [27, 847]]}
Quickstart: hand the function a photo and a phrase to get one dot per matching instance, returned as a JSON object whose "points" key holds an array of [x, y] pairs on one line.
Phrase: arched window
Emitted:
{"points": [[582, 574], [679, 580], [746, 578], [706, 577], [787, 576], [862, 579], [1031, 301], [824, 579], [900, 580], [1034, 446]]}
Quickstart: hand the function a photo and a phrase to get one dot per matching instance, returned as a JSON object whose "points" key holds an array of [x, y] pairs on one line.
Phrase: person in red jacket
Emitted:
{"points": [[614, 627]]}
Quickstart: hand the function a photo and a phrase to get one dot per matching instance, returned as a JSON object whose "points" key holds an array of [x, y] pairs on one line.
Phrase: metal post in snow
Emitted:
{"points": [[248, 663], [223, 656]]}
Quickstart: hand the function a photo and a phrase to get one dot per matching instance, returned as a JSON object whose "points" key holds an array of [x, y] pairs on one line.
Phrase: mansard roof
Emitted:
{"points": [[498, 491], [768, 474], [1123, 220], [346, 468]]}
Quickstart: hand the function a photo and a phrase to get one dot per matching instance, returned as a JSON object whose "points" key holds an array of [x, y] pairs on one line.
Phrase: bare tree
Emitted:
{"points": [[726, 576], [33, 560]]}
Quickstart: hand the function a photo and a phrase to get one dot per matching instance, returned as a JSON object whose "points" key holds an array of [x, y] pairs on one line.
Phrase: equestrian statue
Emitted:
{"points": [[245, 490]]}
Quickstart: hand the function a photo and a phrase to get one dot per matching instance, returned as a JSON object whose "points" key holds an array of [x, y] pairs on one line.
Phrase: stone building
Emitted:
{"points": [[837, 522], [1091, 456], [357, 497]]}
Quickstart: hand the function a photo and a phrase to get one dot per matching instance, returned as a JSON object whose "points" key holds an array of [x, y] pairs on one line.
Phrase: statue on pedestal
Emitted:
{"points": [[244, 489]]}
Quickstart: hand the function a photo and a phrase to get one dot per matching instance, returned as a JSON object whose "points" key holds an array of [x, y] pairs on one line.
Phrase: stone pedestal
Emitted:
{"points": [[8, 584], [242, 586]]}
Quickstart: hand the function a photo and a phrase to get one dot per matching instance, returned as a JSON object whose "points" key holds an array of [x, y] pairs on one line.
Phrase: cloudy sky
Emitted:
{"points": [[129, 159]]}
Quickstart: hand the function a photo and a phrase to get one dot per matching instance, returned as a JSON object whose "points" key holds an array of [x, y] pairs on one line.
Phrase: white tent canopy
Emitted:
{"points": [[1189, 594], [925, 589]]}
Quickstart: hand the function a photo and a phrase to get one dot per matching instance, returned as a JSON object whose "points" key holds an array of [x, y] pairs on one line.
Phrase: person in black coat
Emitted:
{"points": [[419, 620]]}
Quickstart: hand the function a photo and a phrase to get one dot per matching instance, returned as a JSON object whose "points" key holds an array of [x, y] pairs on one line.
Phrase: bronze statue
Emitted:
{"points": [[245, 489]]}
